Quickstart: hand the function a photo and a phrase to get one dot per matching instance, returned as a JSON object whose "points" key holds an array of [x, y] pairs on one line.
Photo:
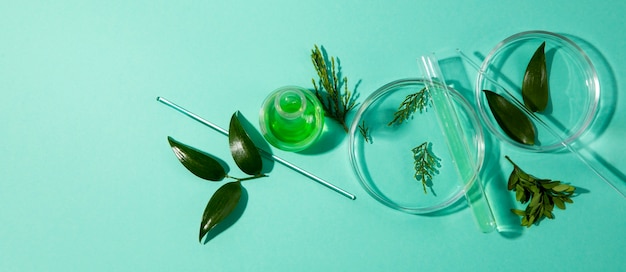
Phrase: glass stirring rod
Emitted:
{"points": [[613, 184], [457, 144], [263, 152]]}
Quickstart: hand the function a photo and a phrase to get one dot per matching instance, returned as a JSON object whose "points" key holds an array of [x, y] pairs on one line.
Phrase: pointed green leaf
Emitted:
{"points": [[221, 204], [533, 188], [513, 180], [548, 214], [535, 89], [523, 175], [535, 200], [548, 203], [559, 203], [519, 194], [525, 222], [197, 162], [549, 184], [561, 187], [244, 152], [511, 119], [518, 212]]}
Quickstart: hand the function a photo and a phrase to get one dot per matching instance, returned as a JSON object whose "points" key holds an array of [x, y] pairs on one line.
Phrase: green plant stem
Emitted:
{"points": [[248, 178]]}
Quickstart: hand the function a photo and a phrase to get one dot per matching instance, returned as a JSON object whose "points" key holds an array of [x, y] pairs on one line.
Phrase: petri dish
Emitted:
{"points": [[382, 158], [573, 84]]}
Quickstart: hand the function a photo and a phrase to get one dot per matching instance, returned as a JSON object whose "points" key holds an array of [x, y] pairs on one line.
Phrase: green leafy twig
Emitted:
{"points": [[543, 195], [426, 164], [226, 198], [412, 103], [336, 103], [365, 131]]}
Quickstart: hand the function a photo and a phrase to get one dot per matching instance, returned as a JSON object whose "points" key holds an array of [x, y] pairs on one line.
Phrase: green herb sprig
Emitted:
{"points": [[365, 132], [411, 104], [227, 197], [426, 164], [543, 195], [336, 103]]}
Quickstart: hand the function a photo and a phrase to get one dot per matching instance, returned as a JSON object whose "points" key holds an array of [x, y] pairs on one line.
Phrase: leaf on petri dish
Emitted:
{"points": [[535, 88], [197, 162], [243, 150], [511, 119], [221, 204]]}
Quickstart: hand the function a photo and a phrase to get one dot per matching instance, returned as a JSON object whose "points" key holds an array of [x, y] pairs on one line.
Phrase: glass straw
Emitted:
{"points": [[263, 152]]}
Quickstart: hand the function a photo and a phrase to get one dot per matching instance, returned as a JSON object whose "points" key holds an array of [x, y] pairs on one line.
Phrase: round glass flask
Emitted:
{"points": [[291, 118]]}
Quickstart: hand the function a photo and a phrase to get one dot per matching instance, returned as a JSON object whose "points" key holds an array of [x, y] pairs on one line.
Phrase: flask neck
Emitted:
{"points": [[290, 104]]}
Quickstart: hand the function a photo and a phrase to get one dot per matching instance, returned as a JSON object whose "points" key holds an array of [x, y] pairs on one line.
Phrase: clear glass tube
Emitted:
{"points": [[457, 144]]}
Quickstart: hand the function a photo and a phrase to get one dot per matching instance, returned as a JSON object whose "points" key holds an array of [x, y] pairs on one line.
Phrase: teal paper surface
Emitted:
{"points": [[88, 181]]}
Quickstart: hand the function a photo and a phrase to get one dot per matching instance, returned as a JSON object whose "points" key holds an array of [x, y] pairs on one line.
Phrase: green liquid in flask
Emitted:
{"points": [[291, 118]]}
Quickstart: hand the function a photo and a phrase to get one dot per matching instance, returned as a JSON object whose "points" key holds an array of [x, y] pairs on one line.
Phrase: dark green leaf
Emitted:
{"points": [[548, 214], [561, 187], [518, 212], [527, 195], [513, 180], [197, 162], [549, 184], [535, 84], [511, 119], [221, 204], [535, 200], [519, 195], [548, 204], [244, 152], [525, 222], [559, 203], [531, 220], [533, 188]]}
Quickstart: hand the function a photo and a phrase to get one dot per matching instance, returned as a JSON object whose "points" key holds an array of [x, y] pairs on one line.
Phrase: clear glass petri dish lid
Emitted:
{"points": [[574, 89], [382, 155]]}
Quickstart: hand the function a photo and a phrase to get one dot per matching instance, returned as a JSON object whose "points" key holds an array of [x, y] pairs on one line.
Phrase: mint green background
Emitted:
{"points": [[88, 182]]}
